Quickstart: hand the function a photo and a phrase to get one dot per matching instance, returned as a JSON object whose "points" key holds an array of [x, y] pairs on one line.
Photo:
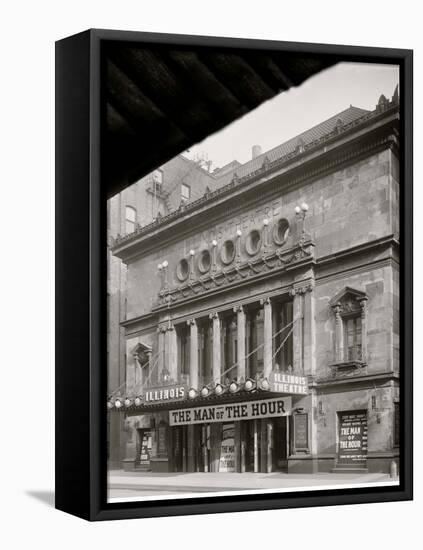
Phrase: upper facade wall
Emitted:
{"points": [[350, 207]]}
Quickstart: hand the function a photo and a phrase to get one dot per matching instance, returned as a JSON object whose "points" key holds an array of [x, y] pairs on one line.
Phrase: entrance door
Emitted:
{"points": [[280, 444]]}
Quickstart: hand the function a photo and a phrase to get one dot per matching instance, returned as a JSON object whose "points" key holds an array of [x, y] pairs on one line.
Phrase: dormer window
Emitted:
{"points": [[350, 310]]}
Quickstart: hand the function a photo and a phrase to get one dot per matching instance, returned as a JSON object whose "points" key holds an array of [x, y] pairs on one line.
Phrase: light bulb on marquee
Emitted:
{"points": [[118, 403], [137, 401]]}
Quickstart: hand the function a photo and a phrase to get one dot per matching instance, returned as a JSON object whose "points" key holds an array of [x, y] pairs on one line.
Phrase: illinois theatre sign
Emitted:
{"points": [[250, 410]]}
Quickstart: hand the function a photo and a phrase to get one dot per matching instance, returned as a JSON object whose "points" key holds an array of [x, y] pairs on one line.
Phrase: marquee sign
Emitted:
{"points": [[165, 394], [281, 382], [250, 410]]}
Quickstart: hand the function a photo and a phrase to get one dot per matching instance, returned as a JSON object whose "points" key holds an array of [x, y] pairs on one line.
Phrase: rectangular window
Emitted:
{"points": [[184, 351], [352, 339], [185, 192], [130, 219], [283, 342]]}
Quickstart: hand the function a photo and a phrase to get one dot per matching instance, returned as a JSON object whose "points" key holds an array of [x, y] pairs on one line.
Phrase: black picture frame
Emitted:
{"points": [[80, 286]]}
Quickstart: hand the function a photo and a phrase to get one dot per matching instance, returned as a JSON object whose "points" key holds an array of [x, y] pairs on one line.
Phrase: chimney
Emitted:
{"points": [[255, 151]]}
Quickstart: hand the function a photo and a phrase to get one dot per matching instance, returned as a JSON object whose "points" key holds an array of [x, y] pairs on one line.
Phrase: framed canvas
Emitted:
{"points": [[234, 301]]}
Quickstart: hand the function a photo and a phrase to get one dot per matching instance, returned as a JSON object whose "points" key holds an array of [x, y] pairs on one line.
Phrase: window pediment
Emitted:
{"points": [[348, 301]]}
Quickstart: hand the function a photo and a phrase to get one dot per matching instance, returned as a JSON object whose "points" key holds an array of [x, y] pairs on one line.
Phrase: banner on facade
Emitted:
{"points": [[230, 412], [280, 382], [352, 438]]}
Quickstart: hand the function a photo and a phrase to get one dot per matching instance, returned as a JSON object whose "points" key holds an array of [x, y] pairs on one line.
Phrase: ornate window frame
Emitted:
{"points": [[346, 304]]}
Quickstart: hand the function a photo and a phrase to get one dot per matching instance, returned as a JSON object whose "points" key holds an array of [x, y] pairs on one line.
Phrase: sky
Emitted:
{"points": [[292, 112]]}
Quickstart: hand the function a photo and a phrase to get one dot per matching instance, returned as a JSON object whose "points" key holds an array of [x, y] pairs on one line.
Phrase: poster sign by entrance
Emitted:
{"points": [[227, 449], [145, 450], [282, 382], [352, 438], [266, 408], [300, 422]]}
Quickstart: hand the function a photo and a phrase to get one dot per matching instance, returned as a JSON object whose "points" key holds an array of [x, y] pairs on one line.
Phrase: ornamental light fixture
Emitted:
{"points": [[165, 264], [265, 222], [192, 394], [160, 267], [304, 207], [239, 232], [109, 405], [118, 403], [219, 389], [233, 387], [137, 401], [249, 384], [264, 384], [192, 252], [127, 402], [205, 391], [214, 242]]}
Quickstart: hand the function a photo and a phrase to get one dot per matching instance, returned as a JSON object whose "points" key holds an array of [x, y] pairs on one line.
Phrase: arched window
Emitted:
{"points": [[130, 219]]}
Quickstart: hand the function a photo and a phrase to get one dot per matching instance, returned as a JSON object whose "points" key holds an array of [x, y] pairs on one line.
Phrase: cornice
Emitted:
{"points": [[317, 158]]}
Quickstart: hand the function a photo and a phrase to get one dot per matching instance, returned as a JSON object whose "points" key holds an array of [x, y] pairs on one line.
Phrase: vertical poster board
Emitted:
{"points": [[227, 449], [300, 432], [352, 447]]}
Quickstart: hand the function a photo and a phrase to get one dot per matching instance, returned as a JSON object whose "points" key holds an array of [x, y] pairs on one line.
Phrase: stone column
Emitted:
{"points": [[269, 431], [191, 444], [297, 330], [240, 319], [309, 332], [363, 305], [339, 340], [161, 355], [193, 353], [268, 334], [256, 446], [172, 353], [216, 347]]}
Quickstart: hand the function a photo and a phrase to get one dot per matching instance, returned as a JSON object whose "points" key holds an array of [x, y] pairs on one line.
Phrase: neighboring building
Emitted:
{"points": [[262, 320], [179, 181]]}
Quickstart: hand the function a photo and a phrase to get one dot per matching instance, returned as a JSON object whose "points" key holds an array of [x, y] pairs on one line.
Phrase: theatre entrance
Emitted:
{"points": [[266, 444], [243, 446]]}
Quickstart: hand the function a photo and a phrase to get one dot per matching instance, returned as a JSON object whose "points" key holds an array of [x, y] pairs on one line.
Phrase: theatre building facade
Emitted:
{"points": [[262, 319]]}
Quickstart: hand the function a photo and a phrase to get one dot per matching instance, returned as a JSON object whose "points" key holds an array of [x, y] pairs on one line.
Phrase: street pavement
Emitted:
{"points": [[132, 485]]}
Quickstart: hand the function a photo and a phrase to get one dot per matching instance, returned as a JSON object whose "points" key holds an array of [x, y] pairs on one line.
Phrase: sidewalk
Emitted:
{"points": [[134, 484]]}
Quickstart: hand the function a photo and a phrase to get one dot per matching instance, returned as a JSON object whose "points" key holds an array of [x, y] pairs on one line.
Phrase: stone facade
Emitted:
{"points": [[147, 203], [301, 254]]}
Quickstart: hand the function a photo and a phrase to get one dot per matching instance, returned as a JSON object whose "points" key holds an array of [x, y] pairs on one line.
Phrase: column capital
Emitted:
{"points": [[265, 301], [238, 308], [161, 328], [191, 322], [214, 315], [301, 288]]}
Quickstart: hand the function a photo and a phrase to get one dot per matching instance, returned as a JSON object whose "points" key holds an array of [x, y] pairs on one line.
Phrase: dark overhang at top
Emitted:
{"points": [[161, 98]]}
